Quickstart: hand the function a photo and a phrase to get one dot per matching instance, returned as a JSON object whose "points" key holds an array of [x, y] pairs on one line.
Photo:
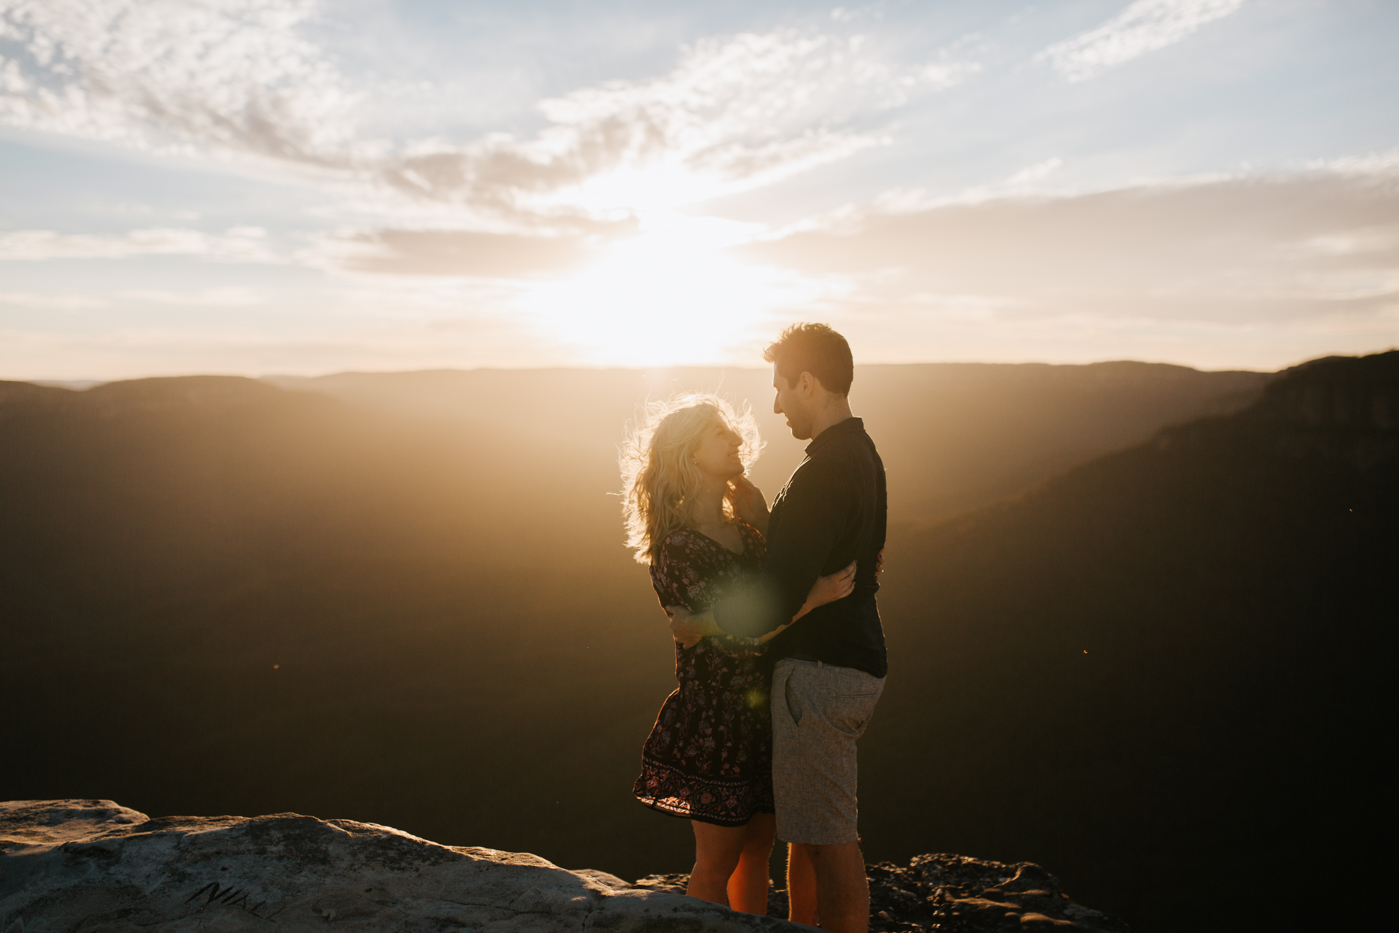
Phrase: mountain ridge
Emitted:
{"points": [[1201, 619], [1150, 671]]}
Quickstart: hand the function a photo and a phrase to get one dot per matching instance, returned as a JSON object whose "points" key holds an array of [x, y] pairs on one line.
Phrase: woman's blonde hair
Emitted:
{"points": [[659, 478]]}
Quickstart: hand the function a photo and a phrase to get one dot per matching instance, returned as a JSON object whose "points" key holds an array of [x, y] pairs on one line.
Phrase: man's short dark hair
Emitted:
{"points": [[815, 349]]}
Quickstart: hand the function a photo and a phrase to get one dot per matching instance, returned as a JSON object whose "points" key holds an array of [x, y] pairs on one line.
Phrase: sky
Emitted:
{"points": [[291, 187]]}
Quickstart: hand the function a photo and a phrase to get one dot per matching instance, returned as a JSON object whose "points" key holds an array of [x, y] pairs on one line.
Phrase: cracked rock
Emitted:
{"points": [[95, 866]]}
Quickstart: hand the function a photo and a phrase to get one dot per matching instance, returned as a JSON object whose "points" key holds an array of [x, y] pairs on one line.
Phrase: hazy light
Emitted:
{"points": [[643, 190], [672, 294]]}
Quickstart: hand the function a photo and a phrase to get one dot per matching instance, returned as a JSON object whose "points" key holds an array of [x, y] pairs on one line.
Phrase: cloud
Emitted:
{"points": [[1143, 27], [735, 113], [1378, 165], [52, 301], [1034, 173], [239, 244], [225, 297], [458, 253], [235, 77], [229, 76], [1314, 250]]}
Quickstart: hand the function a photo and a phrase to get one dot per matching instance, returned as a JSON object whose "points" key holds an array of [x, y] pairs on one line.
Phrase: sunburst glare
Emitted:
{"points": [[674, 293]]}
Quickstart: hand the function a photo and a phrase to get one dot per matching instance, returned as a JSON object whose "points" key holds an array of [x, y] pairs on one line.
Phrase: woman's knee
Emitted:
{"points": [[718, 848], [762, 846], [718, 863]]}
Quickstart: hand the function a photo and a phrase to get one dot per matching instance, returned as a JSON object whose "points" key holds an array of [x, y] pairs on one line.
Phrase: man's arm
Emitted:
{"points": [[814, 510], [689, 629]]}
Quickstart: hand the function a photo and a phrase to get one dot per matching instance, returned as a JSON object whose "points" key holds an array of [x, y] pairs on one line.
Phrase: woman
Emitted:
{"points": [[708, 758]]}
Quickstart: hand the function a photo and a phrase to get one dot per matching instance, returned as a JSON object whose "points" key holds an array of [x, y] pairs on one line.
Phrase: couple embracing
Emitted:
{"points": [[779, 651]]}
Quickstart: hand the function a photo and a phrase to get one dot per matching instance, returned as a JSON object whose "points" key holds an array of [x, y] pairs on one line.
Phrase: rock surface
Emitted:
{"points": [[95, 866], [956, 894]]}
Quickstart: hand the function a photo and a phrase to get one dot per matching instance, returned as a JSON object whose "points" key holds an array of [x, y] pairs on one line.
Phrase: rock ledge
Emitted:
{"points": [[102, 868]]}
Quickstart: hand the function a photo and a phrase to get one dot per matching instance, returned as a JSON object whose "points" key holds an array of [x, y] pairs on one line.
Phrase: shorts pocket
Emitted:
{"points": [[793, 701], [850, 713]]}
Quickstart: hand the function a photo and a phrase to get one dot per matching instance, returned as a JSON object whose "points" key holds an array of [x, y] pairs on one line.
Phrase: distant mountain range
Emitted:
{"points": [[1139, 616], [956, 436]]}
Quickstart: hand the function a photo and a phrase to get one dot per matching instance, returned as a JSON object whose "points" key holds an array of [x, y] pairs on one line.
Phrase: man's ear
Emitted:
{"points": [[807, 384]]}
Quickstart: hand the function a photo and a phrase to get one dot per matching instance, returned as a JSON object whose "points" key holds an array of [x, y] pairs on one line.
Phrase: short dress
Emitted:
{"points": [[709, 756]]}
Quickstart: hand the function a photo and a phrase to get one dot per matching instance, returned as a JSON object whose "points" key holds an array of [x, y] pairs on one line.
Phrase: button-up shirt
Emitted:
{"points": [[833, 510]]}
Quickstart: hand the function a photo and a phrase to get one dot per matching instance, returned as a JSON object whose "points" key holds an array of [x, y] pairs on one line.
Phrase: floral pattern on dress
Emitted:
{"points": [[709, 756]]}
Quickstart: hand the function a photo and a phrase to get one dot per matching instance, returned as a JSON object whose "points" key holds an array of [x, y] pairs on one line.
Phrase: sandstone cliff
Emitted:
{"points": [[92, 865]]}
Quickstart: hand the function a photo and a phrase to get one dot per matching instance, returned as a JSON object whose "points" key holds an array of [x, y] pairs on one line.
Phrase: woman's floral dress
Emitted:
{"points": [[709, 756]]}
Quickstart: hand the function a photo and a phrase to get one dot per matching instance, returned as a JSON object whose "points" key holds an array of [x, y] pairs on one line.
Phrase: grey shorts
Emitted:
{"points": [[818, 712]]}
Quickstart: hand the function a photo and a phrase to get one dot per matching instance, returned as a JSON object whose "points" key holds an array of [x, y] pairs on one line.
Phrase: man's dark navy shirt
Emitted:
{"points": [[833, 510]]}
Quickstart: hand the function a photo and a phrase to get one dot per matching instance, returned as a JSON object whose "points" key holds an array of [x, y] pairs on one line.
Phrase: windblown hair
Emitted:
{"points": [[659, 479], [815, 349]]}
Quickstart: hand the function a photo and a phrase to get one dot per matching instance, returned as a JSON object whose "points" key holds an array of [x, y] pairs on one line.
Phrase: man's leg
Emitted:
{"points": [[818, 714], [842, 890], [801, 886]]}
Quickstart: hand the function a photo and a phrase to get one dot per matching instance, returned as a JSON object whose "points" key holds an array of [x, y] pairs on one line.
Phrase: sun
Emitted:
{"points": [[674, 293]]}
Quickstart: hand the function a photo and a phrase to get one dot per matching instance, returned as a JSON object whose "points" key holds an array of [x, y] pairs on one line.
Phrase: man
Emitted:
{"points": [[830, 666]]}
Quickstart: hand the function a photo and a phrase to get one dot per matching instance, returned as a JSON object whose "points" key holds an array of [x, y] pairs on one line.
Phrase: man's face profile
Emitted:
{"points": [[789, 402]]}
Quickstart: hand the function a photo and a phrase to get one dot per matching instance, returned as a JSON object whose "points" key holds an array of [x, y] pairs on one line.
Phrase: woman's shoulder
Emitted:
{"points": [[674, 548], [674, 564], [679, 538]]}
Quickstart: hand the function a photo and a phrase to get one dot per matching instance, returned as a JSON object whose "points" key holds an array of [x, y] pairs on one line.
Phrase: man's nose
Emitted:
{"points": [[777, 404]]}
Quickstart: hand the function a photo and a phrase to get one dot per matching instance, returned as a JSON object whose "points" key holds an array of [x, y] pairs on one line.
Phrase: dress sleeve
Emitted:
{"points": [[667, 574]]}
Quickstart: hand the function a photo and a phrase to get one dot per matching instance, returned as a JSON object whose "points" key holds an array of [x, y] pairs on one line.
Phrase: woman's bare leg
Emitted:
{"points": [[748, 885], [718, 850], [801, 886]]}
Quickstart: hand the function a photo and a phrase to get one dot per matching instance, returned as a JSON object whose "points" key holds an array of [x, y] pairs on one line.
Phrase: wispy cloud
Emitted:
{"points": [[239, 244], [1295, 252], [218, 75], [52, 301], [735, 113], [1379, 165], [1143, 27], [237, 77], [226, 297], [454, 253]]}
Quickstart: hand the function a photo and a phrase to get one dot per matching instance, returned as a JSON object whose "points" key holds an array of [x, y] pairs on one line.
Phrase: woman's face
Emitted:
{"points": [[717, 453]]}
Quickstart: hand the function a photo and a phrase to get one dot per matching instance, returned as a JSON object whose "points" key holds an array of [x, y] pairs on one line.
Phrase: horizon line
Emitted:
{"points": [[83, 384]]}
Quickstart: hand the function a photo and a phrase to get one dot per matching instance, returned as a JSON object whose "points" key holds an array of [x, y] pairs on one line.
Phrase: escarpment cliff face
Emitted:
{"points": [[91, 864], [1181, 651]]}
